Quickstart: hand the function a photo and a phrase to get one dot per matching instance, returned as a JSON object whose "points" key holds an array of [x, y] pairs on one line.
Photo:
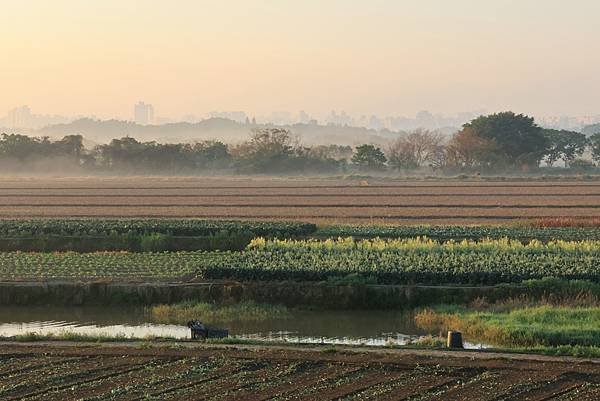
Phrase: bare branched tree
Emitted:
{"points": [[416, 149]]}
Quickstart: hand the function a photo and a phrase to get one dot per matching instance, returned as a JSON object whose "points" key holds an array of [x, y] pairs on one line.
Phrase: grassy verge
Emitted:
{"points": [[243, 311], [526, 328], [563, 350]]}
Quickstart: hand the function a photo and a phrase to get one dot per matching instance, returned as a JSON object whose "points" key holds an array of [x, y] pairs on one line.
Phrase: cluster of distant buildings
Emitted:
{"points": [[568, 123], [144, 114], [22, 117]]}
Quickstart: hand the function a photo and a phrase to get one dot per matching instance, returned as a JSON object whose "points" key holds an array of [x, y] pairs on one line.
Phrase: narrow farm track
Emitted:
{"points": [[197, 372], [315, 200]]}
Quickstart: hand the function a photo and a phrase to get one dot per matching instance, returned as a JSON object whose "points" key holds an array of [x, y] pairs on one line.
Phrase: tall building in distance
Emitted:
{"points": [[143, 113], [19, 117]]}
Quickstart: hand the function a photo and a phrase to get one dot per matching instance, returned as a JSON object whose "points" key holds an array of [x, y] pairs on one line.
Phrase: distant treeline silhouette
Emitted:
{"points": [[495, 143]]}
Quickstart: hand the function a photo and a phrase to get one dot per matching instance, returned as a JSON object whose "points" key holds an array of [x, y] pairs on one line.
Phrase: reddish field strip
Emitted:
{"points": [[256, 181], [309, 191], [307, 213], [311, 200]]}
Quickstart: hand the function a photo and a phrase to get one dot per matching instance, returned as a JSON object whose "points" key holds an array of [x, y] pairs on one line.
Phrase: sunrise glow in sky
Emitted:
{"points": [[387, 57]]}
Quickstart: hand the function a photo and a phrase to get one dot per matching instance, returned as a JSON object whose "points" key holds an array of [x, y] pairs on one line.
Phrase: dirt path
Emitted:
{"points": [[375, 351]]}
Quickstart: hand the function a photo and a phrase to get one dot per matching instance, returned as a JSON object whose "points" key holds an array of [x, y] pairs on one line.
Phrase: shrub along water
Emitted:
{"points": [[208, 312]]}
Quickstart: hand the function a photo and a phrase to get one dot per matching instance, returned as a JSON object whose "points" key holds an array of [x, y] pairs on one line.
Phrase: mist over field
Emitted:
{"points": [[497, 144], [394, 88]]}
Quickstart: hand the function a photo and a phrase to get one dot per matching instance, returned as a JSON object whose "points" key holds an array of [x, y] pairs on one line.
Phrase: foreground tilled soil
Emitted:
{"points": [[133, 372]]}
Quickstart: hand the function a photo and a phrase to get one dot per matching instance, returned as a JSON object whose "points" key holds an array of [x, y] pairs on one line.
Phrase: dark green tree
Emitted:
{"points": [[369, 157], [120, 153], [209, 154], [564, 145], [594, 142], [520, 142], [21, 147], [268, 150], [71, 145], [581, 165]]}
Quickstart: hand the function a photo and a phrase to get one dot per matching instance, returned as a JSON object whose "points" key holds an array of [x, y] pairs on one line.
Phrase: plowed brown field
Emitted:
{"points": [[312, 200], [69, 372]]}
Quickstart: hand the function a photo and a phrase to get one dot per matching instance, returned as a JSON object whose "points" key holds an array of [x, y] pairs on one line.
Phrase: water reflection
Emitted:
{"points": [[376, 328]]}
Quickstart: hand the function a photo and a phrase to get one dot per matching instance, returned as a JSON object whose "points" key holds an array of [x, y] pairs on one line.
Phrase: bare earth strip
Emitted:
{"points": [[231, 191], [305, 213], [258, 181], [318, 200], [242, 201]]}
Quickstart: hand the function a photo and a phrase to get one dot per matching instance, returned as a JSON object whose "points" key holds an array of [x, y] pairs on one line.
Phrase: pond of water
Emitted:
{"points": [[354, 327]]}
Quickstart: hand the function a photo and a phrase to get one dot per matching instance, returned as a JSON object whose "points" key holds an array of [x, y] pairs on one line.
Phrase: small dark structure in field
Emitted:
{"points": [[454, 339], [201, 331]]}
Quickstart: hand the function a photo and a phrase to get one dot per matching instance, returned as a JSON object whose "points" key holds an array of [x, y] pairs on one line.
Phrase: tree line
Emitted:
{"points": [[497, 142], [494, 143]]}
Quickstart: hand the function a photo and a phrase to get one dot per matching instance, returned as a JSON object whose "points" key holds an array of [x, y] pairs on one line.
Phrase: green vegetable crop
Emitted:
{"points": [[389, 261]]}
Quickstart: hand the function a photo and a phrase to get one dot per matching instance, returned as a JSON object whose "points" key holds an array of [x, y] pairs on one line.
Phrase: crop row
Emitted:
{"points": [[385, 262], [281, 229], [412, 261], [457, 232], [188, 227]]}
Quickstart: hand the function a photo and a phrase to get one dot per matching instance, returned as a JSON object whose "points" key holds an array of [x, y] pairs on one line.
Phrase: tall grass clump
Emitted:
{"points": [[241, 312]]}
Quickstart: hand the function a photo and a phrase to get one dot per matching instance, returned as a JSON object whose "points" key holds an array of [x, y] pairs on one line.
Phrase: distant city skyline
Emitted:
{"points": [[144, 113]]}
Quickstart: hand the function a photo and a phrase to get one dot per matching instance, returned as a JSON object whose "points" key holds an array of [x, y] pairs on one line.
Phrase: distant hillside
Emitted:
{"points": [[214, 128], [104, 131], [591, 129]]}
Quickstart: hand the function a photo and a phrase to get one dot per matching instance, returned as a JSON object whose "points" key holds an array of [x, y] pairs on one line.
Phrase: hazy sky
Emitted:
{"points": [[387, 57]]}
